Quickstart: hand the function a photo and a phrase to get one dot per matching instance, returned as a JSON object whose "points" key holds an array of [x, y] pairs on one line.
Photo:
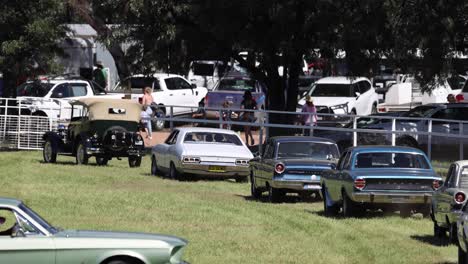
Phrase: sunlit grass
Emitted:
{"points": [[221, 222]]}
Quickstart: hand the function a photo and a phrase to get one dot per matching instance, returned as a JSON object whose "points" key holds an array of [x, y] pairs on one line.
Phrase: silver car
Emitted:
{"points": [[206, 152]]}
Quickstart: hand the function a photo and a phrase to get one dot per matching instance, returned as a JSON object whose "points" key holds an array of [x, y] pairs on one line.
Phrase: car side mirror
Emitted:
{"points": [[193, 86], [18, 231], [357, 94], [59, 95]]}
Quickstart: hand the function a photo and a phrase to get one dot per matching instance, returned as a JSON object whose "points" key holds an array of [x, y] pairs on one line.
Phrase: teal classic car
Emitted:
{"points": [[27, 238], [292, 165], [380, 177], [448, 201]]}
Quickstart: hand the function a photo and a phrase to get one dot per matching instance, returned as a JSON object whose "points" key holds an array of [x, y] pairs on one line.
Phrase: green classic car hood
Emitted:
{"points": [[395, 173], [85, 234]]}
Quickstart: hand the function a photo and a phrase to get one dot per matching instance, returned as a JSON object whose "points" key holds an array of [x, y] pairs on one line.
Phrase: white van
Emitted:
{"points": [[206, 73]]}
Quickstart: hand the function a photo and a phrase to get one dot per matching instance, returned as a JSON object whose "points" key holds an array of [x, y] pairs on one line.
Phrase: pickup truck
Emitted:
{"points": [[168, 90], [231, 89], [50, 97]]}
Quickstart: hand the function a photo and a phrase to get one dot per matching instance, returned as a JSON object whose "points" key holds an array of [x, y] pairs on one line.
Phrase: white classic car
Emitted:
{"points": [[168, 90], [343, 95], [206, 152]]}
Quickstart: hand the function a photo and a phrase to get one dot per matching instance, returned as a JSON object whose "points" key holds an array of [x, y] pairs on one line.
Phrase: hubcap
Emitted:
{"points": [[80, 154]]}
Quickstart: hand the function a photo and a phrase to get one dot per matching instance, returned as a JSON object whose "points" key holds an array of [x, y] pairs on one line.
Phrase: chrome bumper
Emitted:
{"points": [[391, 197], [230, 170], [296, 185]]}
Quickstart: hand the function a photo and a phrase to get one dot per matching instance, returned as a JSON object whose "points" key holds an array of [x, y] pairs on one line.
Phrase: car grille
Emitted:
{"points": [[399, 184], [304, 172], [323, 109]]}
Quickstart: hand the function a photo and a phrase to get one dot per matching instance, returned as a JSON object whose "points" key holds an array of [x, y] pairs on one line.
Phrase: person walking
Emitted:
{"points": [[309, 119], [100, 76], [248, 103], [147, 113]]}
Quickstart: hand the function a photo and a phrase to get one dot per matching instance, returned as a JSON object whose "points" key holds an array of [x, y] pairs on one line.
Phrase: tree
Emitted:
{"points": [[30, 32]]}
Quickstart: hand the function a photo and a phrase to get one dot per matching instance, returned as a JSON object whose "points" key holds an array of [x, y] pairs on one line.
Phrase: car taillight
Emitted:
{"points": [[206, 100], [279, 168], [436, 184], [459, 197], [382, 109], [359, 184]]}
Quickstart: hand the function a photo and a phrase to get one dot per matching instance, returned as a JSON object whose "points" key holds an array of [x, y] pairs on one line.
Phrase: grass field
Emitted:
{"points": [[221, 222]]}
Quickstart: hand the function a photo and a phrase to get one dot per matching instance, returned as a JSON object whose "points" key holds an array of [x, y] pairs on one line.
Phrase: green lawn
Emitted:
{"points": [[221, 222]]}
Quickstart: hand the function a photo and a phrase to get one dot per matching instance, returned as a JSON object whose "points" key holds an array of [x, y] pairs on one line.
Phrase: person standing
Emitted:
{"points": [[309, 119], [100, 76], [147, 113], [250, 104]]}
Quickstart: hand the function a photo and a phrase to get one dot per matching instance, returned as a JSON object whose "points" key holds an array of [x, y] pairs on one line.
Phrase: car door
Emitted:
{"points": [[267, 166], [365, 101], [443, 197], [163, 150], [172, 149], [333, 183], [176, 95], [33, 247], [188, 93]]}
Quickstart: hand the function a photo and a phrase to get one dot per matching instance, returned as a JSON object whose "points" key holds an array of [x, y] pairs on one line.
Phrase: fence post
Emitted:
{"points": [[354, 132], [429, 140], [220, 113], [460, 133], [393, 131], [5, 119], [267, 130], [260, 137], [19, 124], [171, 123]]}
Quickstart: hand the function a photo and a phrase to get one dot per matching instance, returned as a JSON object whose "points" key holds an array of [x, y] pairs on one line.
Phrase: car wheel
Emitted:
{"points": [[405, 212], [159, 124], [328, 210], [134, 161], [173, 172], [49, 152], [254, 191], [439, 232], [349, 207], [121, 261], [101, 160], [154, 166], [462, 256], [81, 155], [274, 195], [241, 179]]}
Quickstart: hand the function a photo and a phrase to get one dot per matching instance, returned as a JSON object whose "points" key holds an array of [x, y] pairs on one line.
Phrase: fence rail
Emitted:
{"points": [[22, 130]]}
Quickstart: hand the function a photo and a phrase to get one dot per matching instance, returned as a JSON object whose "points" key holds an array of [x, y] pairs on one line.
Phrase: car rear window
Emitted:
{"points": [[209, 137], [34, 89], [236, 85], [307, 150], [391, 160]]}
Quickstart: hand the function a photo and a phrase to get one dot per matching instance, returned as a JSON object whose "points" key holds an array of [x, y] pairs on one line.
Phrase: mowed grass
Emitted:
{"points": [[221, 222]]}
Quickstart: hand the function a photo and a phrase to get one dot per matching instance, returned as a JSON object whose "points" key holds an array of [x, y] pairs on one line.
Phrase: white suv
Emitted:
{"points": [[343, 95]]}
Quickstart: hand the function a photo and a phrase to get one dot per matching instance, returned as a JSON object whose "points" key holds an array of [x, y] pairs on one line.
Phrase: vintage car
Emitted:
{"points": [[27, 238], [380, 177], [104, 128], [292, 164], [449, 199], [462, 235], [205, 152]]}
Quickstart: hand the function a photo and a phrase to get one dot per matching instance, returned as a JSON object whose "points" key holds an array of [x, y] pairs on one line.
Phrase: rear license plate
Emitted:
{"points": [[311, 187], [216, 168]]}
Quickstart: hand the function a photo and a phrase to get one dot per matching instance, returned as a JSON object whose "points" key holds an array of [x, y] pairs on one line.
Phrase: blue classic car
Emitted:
{"points": [[379, 177], [291, 164]]}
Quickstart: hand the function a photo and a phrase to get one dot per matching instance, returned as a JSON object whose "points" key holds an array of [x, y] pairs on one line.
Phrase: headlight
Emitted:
{"points": [[187, 159], [340, 106], [242, 162]]}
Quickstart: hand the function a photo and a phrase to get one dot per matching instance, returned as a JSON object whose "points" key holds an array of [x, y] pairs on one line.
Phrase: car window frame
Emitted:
{"points": [[364, 86], [170, 139], [65, 94], [450, 175]]}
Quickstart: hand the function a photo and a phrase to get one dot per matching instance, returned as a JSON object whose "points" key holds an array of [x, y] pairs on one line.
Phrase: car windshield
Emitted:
{"points": [[236, 85], [34, 89], [391, 160], [209, 137], [332, 90], [307, 150], [420, 111], [38, 219]]}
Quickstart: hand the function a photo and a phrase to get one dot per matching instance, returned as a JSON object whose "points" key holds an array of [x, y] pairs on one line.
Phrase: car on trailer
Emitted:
{"points": [[103, 128]]}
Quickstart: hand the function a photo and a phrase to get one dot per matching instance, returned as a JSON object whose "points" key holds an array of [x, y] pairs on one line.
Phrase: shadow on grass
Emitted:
{"points": [[193, 178], [431, 240], [68, 163], [288, 199], [369, 214]]}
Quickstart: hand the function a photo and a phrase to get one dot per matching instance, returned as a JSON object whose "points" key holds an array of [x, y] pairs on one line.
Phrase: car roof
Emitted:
{"points": [[461, 163], [10, 201], [157, 75], [58, 81], [341, 80], [205, 129], [376, 148], [301, 139]]}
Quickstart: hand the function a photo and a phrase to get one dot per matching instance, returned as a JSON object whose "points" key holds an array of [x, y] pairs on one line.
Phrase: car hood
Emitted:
{"points": [[396, 173], [218, 150], [121, 236], [325, 164], [329, 101]]}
